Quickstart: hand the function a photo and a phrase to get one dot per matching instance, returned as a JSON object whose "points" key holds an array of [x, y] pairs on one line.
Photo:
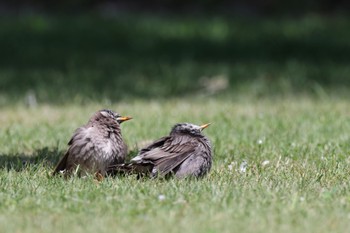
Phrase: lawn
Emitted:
{"points": [[284, 111]]}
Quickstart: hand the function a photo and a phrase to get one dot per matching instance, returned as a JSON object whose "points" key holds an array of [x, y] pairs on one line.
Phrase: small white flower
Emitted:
{"points": [[230, 167], [264, 163], [243, 167], [302, 198], [260, 141], [161, 197]]}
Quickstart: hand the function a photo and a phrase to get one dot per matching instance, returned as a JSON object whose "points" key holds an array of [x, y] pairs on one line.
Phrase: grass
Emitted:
{"points": [[304, 188], [281, 107], [90, 58]]}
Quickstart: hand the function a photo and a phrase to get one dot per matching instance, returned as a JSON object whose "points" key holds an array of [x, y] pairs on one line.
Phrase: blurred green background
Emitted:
{"points": [[110, 51], [272, 76]]}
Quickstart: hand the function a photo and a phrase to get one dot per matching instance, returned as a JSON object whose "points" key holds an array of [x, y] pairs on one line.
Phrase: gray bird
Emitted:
{"points": [[95, 146], [186, 152]]}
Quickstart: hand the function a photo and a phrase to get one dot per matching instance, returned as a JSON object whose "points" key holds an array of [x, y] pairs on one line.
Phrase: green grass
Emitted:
{"points": [[90, 58], [304, 188], [274, 90]]}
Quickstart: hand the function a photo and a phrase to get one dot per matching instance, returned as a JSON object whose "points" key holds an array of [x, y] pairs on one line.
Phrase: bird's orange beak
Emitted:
{"points": [[205, 126], [122, 119]]}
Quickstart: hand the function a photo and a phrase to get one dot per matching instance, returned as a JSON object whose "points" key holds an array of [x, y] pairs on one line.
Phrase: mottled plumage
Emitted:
{"points": [[185, 152], [95, 146]]}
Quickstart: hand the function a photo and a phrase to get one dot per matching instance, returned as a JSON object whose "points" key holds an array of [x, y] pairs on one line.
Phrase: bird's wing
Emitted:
{"points": [[158, 143], [83, 142], [167, 153], [144, 151], [77, 136]]}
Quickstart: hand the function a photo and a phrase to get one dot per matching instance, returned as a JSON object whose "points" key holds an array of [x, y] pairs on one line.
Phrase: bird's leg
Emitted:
{"points": [[99, 177]]}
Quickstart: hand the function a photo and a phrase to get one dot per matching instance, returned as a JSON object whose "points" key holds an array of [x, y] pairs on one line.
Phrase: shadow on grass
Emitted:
{"points": [[47, 157], [18, 162]]}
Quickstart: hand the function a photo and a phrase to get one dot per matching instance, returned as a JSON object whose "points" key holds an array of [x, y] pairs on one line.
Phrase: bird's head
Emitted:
{"points": [[188, 128], [109, 115]]}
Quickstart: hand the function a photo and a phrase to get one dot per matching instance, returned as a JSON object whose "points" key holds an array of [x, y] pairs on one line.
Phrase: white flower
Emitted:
{"points": [[161, 197], [260, 141], [231, 165], [264, 163], [243, 167]]}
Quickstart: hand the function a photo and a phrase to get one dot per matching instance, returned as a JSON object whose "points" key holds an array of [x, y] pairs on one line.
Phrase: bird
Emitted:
{"points": [[185, 152], [95, 146]]}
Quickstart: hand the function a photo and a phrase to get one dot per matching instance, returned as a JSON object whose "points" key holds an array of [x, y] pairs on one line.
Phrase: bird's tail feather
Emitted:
{"points": [[62, 165]]}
